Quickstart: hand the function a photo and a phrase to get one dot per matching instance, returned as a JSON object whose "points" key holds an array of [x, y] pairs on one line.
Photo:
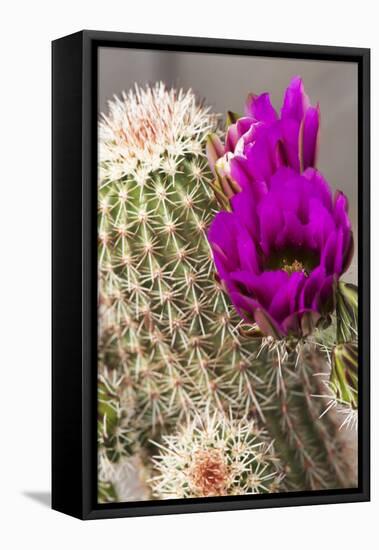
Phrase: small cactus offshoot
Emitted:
{"points": [[214, 455]]}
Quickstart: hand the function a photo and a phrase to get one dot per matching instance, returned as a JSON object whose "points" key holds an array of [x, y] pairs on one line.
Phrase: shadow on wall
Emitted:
{"points": [[42, 497]]}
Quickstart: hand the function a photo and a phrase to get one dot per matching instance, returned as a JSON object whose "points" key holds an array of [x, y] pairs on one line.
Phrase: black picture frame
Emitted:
{"points": [[74, 272]]}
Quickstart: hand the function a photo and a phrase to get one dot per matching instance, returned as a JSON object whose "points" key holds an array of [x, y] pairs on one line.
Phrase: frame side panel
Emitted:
{"points": [[364, 275], [67, 275]]}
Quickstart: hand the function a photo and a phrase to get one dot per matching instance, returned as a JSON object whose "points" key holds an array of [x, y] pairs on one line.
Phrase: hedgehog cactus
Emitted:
{"points": [[165, 326], [170, 340]]}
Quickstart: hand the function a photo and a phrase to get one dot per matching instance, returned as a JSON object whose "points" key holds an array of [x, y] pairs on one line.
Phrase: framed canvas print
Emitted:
{"points": [[210, 274]]}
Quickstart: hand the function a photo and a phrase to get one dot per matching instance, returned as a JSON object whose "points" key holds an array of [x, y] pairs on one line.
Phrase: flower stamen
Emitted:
{"points": [[295, 266]]}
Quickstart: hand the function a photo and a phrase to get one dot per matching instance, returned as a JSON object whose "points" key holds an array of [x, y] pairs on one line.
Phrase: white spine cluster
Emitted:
{"points": [[214, 455], [147, 129]]}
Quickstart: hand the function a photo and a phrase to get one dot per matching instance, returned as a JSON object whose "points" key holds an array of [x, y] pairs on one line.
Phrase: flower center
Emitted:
{"points": [[295, 266], [293, 261]]}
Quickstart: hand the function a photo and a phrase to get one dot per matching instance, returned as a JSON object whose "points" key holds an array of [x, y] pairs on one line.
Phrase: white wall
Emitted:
{"points": [[27, 28]]}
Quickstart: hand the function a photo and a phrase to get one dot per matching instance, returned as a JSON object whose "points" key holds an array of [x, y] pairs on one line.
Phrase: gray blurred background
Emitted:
{"points": [[224, 82]]}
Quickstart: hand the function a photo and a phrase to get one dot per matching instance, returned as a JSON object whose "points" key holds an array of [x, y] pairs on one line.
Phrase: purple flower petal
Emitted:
{"points": [[262, 287], [349, 251], [341, 209], [223, 234], [271, 222], [247, 252], [296, 102], [239, 172], [245, 125], [267, 324], [319, 187], [320, 225], [308, 137], [244, 206], [326, 297], [280, 306], [311, 288], [294, 288], [260, 108], [292, 234], [290, 130], [327, 256], [260, 160], [244, 305]]}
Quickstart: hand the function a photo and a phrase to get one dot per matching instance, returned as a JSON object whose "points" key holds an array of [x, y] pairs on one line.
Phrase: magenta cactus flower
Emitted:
{"points": [[260, 142], [282, 249]]}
